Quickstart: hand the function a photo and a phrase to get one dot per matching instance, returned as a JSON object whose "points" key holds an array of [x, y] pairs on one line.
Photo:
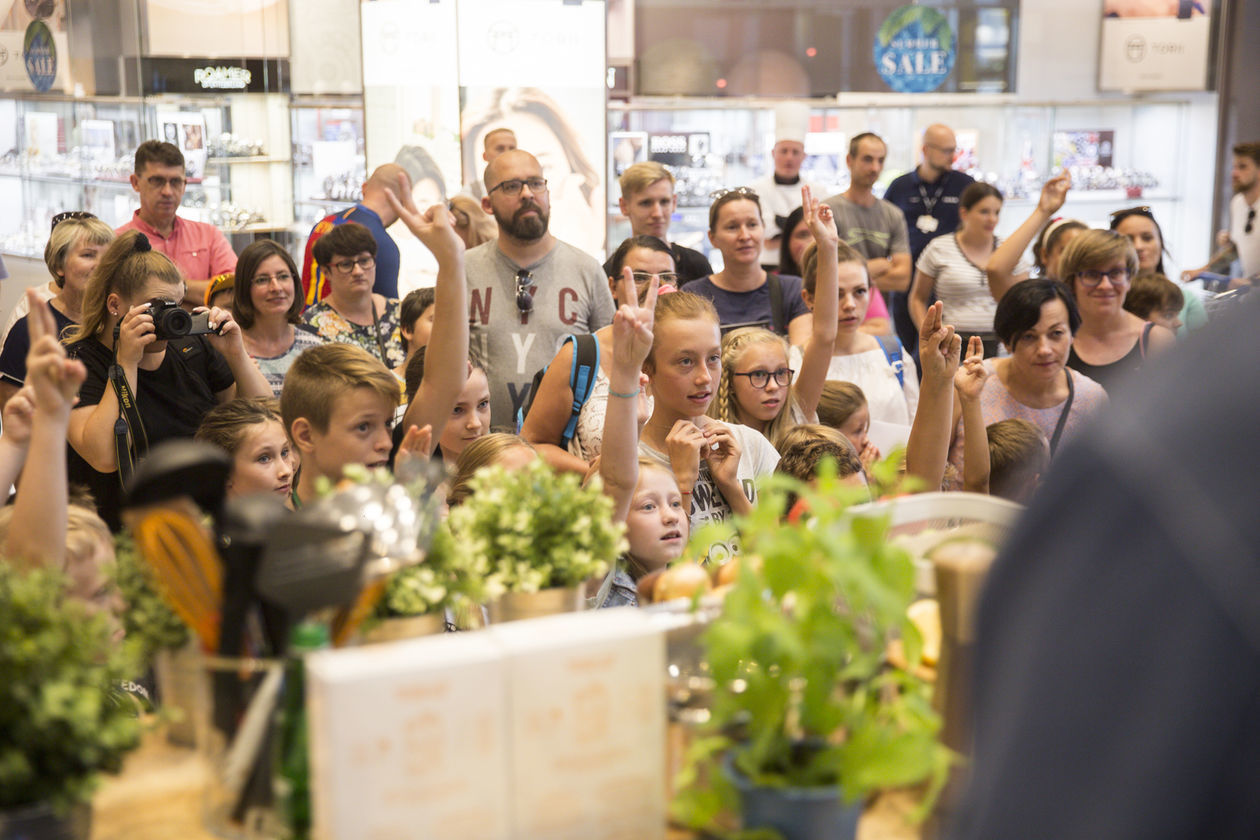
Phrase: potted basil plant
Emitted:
{"points": [[807, 717], [537, 537], [64, 717], [417, 597]]}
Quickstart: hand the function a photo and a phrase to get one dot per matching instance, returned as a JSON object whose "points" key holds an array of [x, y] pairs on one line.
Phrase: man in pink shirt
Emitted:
{"points": [[200, 250]]}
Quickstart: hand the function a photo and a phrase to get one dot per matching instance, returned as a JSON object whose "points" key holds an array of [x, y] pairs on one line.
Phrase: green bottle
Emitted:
{"points": [[295, 785]]}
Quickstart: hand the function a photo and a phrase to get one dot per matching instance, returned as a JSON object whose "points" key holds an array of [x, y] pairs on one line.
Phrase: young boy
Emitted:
{"points": [[337, 405], [1155, 298], [1018, 457], [415, 316]]}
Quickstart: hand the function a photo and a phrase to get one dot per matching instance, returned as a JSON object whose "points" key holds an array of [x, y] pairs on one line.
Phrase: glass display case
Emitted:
{"points": [[1106, 146], [329, 161]]}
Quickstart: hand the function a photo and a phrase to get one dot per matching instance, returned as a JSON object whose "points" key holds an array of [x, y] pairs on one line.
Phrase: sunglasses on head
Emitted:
{"points": [[746, 192], [70, 214], [1119, 216]]}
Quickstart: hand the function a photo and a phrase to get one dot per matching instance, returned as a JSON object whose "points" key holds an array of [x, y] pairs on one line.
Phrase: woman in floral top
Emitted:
{"points": [[352, 313]]}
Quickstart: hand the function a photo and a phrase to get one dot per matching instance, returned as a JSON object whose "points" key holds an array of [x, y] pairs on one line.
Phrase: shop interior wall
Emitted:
{"points": [[1239, 117]]}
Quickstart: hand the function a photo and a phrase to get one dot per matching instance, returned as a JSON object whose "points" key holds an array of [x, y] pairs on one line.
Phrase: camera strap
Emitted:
{"points": [[130, 452]]}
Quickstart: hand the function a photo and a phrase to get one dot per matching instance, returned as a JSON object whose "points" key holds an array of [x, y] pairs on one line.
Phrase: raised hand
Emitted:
{"points": [[19, 412], [820, 220], [53, 379], [1054, 193], [632, 323], [939, 346], [416, 445], [970, 378], [435, 226]]}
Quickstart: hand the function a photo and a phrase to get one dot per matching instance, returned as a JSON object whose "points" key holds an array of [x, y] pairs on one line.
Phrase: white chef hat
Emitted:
{"points": [[791, 120]]}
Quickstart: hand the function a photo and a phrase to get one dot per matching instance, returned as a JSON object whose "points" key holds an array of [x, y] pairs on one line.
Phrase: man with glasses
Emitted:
{"points": [[199, 249], [928, 197], [527, 289], [375, 214], [648, 202]]}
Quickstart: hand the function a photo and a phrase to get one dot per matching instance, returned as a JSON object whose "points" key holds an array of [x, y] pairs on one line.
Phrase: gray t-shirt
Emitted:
{"points": [[876, 231], [570, 296]]}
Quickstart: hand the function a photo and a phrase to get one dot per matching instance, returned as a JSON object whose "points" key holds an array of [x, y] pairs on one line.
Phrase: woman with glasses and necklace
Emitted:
{"points": [[743, 292], [756, 388], [352, 313], [1111, 343], [547, 424], [267, 303], [1139, 226]]}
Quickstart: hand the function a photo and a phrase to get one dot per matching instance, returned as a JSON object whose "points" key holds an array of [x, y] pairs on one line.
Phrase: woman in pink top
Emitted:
{"points": [[1036, 320]]}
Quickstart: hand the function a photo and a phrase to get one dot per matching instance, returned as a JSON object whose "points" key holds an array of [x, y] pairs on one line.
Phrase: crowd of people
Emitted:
{"points": [[679, 385]]}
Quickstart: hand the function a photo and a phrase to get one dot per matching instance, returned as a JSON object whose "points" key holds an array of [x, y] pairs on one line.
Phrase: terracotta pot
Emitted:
{"points": [[514, 606], [393, 629], [38, 822]]}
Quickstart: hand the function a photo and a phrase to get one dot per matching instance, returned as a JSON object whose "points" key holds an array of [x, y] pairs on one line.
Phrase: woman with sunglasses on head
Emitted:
{"points": [[267, 303], [1111, 342], [742, 291], [74, 247], [546, 425], [756, 387], [352, 313], [140, 369], [1139, 226]]}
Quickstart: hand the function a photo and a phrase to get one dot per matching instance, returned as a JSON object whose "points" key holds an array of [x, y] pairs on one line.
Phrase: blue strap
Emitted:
{"points": [[581, 378], [894, 358]]}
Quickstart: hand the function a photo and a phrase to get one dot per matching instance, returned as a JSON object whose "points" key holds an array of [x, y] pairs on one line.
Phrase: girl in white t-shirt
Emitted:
{"points": [[881, 367], [716, 464], [758, 385]]}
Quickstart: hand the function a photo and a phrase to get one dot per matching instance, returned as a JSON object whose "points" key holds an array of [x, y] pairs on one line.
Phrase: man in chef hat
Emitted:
{"points": [[780, 190]]}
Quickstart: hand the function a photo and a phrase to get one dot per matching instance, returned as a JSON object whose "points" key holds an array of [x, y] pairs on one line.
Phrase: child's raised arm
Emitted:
{"points": [[969, 382], [928, 447], [632, 341], [816, 356], [446, 357], [1000, 269]]}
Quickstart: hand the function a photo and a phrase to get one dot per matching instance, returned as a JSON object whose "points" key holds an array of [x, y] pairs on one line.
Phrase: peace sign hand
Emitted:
{"points": [[434, 227], [820, 220]]}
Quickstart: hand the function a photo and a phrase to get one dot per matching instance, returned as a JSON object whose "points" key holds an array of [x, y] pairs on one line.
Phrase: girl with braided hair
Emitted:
{"points": [[170, 382]]}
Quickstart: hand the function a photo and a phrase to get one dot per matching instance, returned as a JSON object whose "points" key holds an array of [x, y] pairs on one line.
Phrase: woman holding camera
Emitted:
{"points": [[141, 350]]}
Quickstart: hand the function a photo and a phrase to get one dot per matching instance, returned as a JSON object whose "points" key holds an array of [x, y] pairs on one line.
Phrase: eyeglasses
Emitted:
{"points": [[642, 278], [512, 186], [1119, 216], [1251, 220], [759, 379], [746, 192], [524, 293], [157, 182], [284, 278], [83, 214], [1091, 277], [347, 266]]}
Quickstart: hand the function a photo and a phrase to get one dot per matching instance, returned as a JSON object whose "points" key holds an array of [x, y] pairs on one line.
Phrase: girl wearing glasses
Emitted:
{"points": [[552, 409], [756, 387], [267, 302], [352, 313], [1111, 342]]}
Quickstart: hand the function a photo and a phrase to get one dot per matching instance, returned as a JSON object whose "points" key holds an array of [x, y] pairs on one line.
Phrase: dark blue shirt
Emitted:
{"points": [[908, 192], [18, 344]]}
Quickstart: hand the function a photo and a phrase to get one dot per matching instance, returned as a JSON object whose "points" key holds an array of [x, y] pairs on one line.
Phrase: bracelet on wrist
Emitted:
{"points": [[628, 396]]}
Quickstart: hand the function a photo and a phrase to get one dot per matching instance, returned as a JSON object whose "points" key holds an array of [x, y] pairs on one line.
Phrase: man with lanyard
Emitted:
{"points": [[928, 196], [780, 191]]}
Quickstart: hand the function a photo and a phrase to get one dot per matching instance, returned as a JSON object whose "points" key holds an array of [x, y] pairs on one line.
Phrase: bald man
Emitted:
{"points": [[496, 142], [928, 196], [375, 214]]}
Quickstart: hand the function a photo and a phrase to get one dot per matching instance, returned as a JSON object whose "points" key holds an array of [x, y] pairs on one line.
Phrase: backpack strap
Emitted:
{"points": [[893, 354], [776, 303], [582, 375]]}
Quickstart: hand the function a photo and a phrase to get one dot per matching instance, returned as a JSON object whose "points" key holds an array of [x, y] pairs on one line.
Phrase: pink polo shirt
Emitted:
{"points": [[200, 250]]}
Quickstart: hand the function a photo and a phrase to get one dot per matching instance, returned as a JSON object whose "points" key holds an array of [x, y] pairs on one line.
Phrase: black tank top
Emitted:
{"points": [[1109, 375]]}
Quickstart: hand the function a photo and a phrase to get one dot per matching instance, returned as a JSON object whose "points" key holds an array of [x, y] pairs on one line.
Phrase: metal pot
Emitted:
{"points": [[514, 606]]}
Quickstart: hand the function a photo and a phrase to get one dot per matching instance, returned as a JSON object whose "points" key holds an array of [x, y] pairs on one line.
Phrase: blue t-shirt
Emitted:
{"points": [[315, 279], [737, 309], [18, 344], [908, 193]]}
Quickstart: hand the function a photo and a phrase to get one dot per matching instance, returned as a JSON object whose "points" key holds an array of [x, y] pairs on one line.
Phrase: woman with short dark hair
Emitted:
{"points": [[267, 303], [352, 313]]}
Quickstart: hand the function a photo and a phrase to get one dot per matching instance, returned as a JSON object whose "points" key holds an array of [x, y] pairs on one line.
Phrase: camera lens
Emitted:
{"points": [[172, 322]]}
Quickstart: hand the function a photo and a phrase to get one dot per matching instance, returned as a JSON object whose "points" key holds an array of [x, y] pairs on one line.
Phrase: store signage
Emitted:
{"points": [[223, 78], [1155, 53], [40, 55], [210, 75], [915, 49]]}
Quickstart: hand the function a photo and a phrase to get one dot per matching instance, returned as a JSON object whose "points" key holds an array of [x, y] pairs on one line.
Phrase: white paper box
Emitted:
{"points": [[586, 726], [407, 740]]}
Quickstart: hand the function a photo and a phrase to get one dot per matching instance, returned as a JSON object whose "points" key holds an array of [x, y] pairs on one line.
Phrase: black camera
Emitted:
{"points": [[170, 320]]}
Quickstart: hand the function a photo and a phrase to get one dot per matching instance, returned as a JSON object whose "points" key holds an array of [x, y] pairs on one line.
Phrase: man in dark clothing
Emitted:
{"points": [[1117, 682], [648, 201]]}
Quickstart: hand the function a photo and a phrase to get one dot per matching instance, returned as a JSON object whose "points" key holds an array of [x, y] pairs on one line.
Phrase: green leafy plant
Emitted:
{"points": [[147, 618], [63, 715], [439, 582], [532, 529], [803, 693]]}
